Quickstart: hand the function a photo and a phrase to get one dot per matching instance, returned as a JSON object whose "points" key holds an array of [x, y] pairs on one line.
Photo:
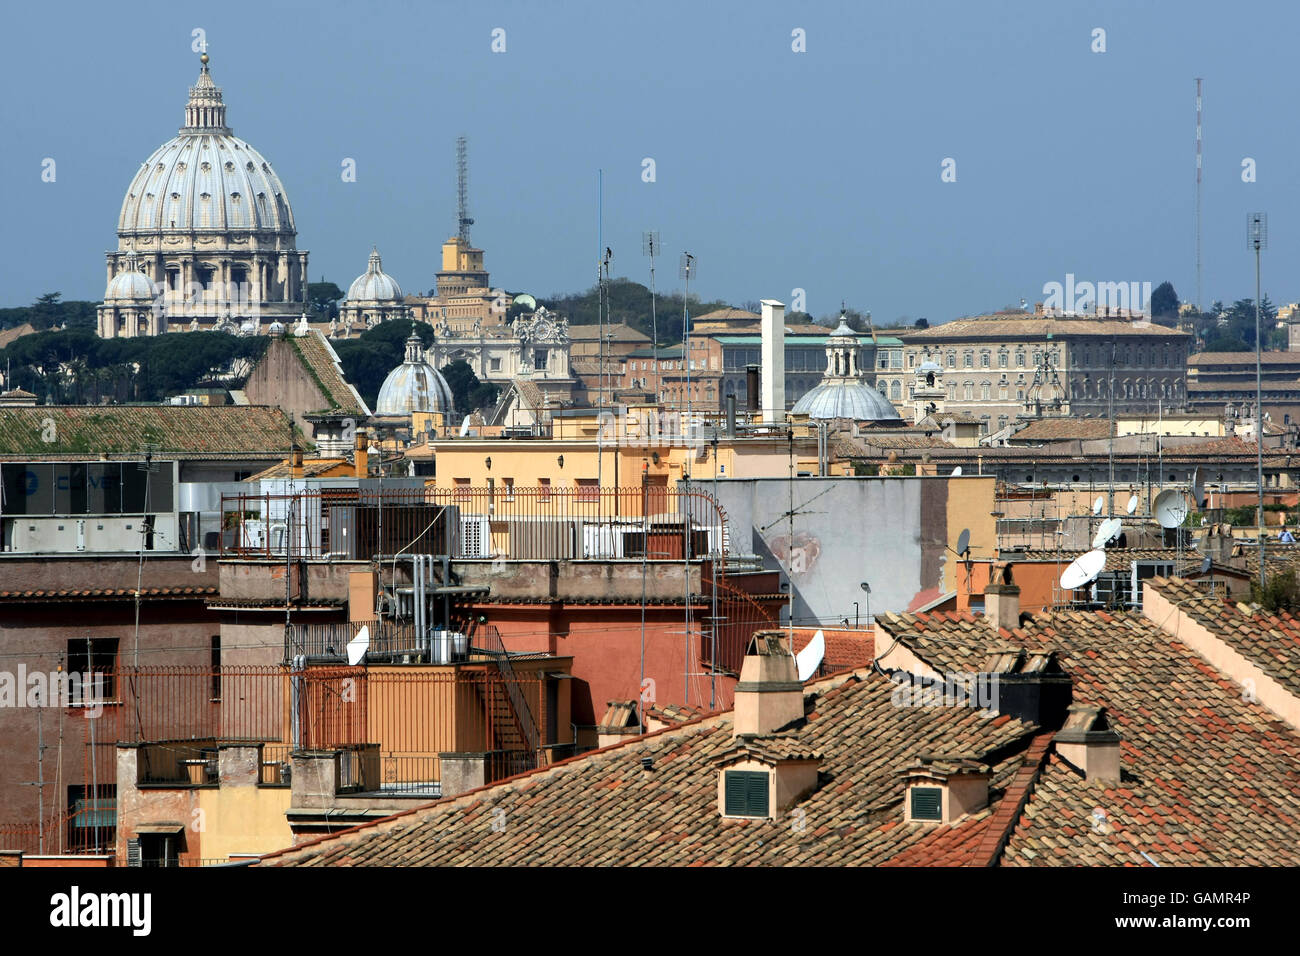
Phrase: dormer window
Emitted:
{"points": [[942, 789], [927, 803]]}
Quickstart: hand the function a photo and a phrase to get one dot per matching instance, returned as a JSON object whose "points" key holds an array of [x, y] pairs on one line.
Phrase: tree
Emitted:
{"points": [[45, 310], [468, 393], [324, 298], [1164, 302], [921, 323]]}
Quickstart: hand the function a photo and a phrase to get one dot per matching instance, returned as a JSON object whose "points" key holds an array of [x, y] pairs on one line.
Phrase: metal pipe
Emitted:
{"points": [[751, 389]]}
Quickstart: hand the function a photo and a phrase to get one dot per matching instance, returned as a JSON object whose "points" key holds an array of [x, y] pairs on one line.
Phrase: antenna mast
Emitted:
{"points": [[463, 221], [1198, 194]]}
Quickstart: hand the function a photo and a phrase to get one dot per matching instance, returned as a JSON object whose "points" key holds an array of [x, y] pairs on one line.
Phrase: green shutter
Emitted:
{"points": [[745, 793], [133, 852], [927, 803]]}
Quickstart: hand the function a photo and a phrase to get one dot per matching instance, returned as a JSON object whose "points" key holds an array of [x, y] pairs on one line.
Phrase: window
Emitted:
{"points": [[968, 360], [911, 361], [895, 390], [94, 659], [509, 484], [93, 823], [1002, 391], [927, 803], [588, 489], [952, 359], [494, 365], [215, 653], [745, 793], [462, 488], [984, 360], [543, 489], [985, 392], [539, 358], [952, 391], [970, 391], [1002, 360], [1020, 360]]}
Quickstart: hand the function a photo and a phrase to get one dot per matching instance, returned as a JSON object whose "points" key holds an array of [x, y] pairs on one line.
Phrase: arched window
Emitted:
{"points": [[895, 390]]}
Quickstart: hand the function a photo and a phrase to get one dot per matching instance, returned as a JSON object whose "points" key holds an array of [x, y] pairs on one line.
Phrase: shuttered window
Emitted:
{"points": [[927, 803], [746, 793]]}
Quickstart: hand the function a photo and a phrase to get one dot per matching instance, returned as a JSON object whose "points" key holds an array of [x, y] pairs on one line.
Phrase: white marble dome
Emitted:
{"points": [[130, 283], [374, 285], [414, 386], [206, 178], [846, 399]]}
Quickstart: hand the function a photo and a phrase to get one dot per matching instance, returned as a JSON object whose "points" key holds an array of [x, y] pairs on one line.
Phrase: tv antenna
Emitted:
{"points": [[687, 271], [650, 247], [1198, 194], [1257, 239], [463, 221]]}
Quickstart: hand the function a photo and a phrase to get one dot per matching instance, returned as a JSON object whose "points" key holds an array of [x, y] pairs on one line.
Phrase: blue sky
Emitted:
{"points": [[778, 170]]}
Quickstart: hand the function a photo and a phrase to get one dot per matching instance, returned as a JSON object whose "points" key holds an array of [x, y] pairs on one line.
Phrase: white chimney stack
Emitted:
{"points": [[773, 384]]}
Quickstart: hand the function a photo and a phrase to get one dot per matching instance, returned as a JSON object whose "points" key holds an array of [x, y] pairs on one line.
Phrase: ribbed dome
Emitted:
{"points": [[414, 386], [846, 399], [205, 178], [130, 283], [374, 285]]}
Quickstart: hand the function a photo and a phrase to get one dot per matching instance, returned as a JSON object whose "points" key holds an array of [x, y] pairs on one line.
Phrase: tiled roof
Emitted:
{"points": [[1063, 429], [604, 808], [14, 333], [1243, 358], [319, 356], [727, 315], [1208, 778], [1117, 559], [871, 446], [107, 594], [311, 468], [1270, 641], [245, 432], [1025, 326], [673, 713], [845, 650], [620, 332]]}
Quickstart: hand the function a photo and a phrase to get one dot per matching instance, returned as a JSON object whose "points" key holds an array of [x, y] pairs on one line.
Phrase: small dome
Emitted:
{"points": [[276, 331], [414, 386], [130, 283], [929, 365], [846, 399], [374, 285]]}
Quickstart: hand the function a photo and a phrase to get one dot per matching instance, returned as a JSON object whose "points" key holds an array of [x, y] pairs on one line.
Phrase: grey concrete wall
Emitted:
{"points": [[886, 531]]}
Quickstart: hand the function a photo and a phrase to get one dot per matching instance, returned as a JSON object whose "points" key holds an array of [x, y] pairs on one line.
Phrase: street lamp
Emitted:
{"points": [[867, 588]]}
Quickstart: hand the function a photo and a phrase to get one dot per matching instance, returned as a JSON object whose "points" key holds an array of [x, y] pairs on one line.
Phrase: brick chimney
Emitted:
{"points": [[361, 455], [769, 695]]}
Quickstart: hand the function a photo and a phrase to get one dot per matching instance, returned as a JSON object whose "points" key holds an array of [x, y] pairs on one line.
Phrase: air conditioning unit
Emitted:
{"points": [[475, 536]]}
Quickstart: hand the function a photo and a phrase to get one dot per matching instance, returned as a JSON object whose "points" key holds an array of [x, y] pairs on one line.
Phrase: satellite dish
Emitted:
{"points": [[1109, 528], [1206, 564], [1083, 570], [1171, 508], [956, 472], [1198, 493], [1098, 504], [1132, 504], [527, 301], [810, 658], [963, 541], [464, 427], [358, 646]]}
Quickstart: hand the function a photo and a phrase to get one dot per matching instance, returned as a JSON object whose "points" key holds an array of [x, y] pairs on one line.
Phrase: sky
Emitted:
{"points": [[818, 170]]}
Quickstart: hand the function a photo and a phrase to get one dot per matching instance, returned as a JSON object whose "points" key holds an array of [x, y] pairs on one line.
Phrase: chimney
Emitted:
{"points": [[769, 695], [1088, 742], [773, 327], [295, 461], [1002, 600], [751, 390], [731, 415], [1028, 685], [361, 455]]}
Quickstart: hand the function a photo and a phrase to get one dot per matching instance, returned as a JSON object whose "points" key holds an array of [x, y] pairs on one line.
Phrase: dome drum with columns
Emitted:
{"points": [[414, 386], [208, 222], [373, 297], [844, 391]]}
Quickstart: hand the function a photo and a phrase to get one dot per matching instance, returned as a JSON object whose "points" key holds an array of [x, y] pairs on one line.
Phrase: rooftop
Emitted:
{"points": [[1026, 326]]}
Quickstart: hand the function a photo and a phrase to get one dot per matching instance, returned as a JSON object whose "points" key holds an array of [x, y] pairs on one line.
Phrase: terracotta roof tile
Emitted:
{"points": [[178, 431]]}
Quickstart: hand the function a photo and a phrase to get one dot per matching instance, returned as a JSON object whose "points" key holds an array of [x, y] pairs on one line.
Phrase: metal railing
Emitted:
{"points": [[466, 523]]}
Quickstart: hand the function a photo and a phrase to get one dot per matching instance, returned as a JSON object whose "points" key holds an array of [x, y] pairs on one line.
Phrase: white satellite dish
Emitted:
{"points": [[464, 427], [956, 472], [1198, 494], [1098, 504], [1107, 531], [1132, 504], [810, 658], [1171, 508], [358, 646], [1083, 570]]}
